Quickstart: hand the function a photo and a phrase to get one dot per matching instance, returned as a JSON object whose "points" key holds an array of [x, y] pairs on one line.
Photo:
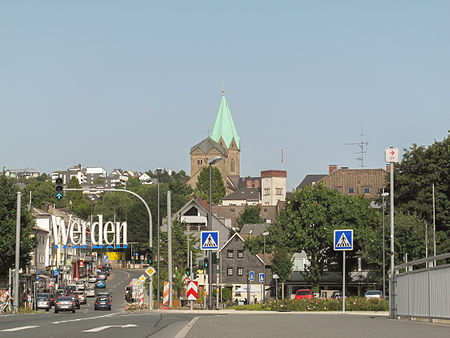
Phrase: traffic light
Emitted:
{"points": [[206, 264], [149, 256], [215, 258], [188, 272], [59, 189], [195, 272]]}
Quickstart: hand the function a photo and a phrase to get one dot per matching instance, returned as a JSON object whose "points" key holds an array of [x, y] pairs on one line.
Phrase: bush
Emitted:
{"points": [[319, 304]]}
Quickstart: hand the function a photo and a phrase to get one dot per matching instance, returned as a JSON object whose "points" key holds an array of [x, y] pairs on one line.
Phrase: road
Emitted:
{"points": [[87, 322]]}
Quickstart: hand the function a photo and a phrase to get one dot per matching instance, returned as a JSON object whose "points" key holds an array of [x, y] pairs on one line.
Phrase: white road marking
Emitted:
{"points": [[101, 328], [19, 328], [80, 319], [187, 328]]}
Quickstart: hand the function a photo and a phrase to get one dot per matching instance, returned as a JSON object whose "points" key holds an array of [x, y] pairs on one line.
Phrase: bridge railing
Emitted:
{"points": [[422, 288]]}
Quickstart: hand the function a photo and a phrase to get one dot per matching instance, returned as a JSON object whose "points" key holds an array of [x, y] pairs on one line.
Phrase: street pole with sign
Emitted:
{"points": [[343, 240]]}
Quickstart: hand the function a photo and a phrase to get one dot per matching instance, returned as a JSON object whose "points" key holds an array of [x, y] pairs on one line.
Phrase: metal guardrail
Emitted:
{"points": [[423, 293]]}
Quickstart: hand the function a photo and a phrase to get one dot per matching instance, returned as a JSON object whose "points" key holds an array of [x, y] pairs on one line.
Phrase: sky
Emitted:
{"points": [[135, 84]]}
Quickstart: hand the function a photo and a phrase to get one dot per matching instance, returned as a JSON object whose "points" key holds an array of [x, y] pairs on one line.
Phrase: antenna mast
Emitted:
{"points": [[362, 149]]}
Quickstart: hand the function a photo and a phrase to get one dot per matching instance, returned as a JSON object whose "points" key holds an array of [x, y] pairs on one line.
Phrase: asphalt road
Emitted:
{"points": [[87, 322]]}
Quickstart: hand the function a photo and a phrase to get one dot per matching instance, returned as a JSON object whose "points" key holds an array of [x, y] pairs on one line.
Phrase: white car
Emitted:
{"points": [[92, 279], [90, 292], [373, 294]]}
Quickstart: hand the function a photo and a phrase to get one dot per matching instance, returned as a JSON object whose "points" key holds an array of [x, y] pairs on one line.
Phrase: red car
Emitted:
{"points": [[304, 294]]}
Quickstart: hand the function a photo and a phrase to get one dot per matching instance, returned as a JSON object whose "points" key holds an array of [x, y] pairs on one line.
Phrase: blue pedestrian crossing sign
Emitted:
{"points": [[343, 240], [261, 278], [210, 240], [251, 276]]}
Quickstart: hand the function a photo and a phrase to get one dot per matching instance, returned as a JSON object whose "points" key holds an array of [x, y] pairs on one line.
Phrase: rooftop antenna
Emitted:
{"points": [[362, 149]]}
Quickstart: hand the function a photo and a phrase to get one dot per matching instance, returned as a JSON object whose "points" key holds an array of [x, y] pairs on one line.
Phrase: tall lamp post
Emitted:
{"points": [[383, 195], [264, 280], [210, 162], [158, 172]]}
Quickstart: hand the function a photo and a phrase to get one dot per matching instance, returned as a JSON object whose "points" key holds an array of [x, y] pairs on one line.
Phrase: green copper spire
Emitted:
{"points": [[224, 125]]}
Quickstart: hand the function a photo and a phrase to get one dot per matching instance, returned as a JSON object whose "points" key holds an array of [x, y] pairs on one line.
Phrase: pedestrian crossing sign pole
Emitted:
{"points": [[343, 240]]}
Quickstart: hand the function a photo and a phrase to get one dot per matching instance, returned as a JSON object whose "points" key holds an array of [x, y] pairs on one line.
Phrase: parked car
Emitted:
{"points": [[373, 294], [90, 292], [100, 284], [304, 294], [337, 295], [102, 303], [81, 296], [43, 302], [65, 303]]}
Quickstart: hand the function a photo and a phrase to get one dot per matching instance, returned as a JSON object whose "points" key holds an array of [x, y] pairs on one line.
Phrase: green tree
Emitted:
{"points": [[282, 264], [419, 168], [218, 187], [8, 214], [42, 192], [250, 215], [76, 201], [99, 180]]}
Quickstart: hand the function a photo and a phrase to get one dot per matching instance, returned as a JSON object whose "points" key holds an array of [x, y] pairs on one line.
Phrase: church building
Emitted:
{"points": [[223, 141]]}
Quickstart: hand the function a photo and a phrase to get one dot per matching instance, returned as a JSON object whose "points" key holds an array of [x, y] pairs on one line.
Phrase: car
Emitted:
{"points": [[92, 279], [81, 296], [104, 294], [102, 303], [81, 285], [76, 300], [373, 294], [90, 292], [337, 295], [43, 302], [65, 303], [100, 284], [304, 294], [102, 276]]}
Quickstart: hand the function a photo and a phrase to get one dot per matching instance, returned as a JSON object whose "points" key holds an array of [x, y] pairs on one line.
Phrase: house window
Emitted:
{"points": [[240, 271], [266, 191], [229, 271], [338, 189], [367, 190], [351, 190], [279, 191], [240, 254], [233, 166], [199, 162], [230, 253], [232, 209]]}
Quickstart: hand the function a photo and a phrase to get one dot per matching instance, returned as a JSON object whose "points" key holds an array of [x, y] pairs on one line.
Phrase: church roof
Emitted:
{"points": [[224, 125], [207, 144]]}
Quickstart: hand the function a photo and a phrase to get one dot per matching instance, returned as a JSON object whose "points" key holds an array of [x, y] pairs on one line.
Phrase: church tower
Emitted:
{"points": [[223, 141]]}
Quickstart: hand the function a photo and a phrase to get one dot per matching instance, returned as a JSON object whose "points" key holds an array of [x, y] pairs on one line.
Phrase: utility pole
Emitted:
{"points": [[169, 246], [17, 262]]}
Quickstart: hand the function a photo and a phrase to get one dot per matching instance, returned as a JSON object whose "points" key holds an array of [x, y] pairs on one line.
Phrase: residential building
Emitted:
{"points": [[243, 196], [22, 173], [273, 185]]}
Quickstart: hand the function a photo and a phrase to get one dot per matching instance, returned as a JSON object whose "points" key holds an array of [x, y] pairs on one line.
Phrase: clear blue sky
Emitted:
{"points": [[135, 84]]}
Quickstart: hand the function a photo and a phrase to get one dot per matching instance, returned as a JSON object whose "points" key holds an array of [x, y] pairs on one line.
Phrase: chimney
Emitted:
{"points": [[332, 168]]}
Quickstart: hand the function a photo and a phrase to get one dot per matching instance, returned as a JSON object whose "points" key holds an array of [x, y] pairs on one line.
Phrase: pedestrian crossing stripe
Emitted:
{"points": [[210, 243], [343, 242]]}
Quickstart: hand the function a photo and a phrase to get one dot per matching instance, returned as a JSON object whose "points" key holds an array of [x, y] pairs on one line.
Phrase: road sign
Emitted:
{"points": [[150, 271], [251, 276], [37, 277], [261, 277], [392, 155], [210, 240], [55, 273], [343, 240], [142, 278], [192, 290]]}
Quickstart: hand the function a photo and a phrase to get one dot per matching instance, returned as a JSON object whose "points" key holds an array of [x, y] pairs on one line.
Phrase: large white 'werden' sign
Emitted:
{"points": [[111, 234]]}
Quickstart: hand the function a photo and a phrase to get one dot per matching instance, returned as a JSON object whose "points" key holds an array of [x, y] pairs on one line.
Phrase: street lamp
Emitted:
{"points": [[383, 195], [210, 162], [264, 280], [158, 172]]}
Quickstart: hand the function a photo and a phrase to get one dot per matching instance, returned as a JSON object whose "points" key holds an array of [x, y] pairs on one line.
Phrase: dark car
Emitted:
{"points": [[65, 303], [43, 302], [337, 295], [103, 303], [104, 294]]}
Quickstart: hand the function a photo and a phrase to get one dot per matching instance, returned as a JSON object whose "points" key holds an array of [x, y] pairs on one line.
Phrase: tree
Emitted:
{"points": [[282, 264], [42, 192], [218, 187], [76, 201], [250, 215], [8, 214], [414, 176]]}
